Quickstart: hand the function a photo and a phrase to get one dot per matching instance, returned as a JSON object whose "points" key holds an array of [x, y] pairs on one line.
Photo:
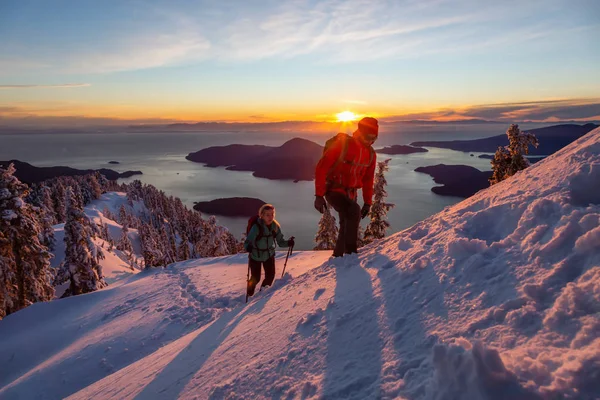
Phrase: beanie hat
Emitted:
{"points": [[368, 126]]}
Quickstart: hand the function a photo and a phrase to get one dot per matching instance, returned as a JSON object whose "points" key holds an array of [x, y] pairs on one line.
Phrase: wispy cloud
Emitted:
{"points": [[332, 31], [64, 85], [539, 111]]}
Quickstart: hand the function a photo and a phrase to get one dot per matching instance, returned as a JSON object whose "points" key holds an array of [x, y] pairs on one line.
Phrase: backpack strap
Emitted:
{"points": [[344, 137]]}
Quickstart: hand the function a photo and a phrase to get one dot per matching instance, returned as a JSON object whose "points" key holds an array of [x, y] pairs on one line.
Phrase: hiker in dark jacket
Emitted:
{"points": [[260, 243], [348, 165]]}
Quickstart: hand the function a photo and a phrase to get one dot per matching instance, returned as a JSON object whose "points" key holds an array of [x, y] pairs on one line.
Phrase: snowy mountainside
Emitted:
{"points": [[114, 265], [495, 297]]}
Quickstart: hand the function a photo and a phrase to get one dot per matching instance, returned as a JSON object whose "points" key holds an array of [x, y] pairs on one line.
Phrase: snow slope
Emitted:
{"points": [[495, 297]]}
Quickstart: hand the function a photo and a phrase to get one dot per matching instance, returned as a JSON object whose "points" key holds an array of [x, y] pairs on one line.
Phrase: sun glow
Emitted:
{"points": [[346, 116]]}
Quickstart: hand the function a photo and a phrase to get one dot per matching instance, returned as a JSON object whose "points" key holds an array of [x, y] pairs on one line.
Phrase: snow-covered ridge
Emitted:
{"points": [[495, 297]]}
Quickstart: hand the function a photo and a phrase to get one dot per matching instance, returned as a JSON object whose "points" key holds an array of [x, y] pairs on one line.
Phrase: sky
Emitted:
{"points": [[263, 61]]}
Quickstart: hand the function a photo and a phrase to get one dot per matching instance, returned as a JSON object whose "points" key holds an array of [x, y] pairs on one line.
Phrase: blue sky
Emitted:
{"points": [[307, 60]]}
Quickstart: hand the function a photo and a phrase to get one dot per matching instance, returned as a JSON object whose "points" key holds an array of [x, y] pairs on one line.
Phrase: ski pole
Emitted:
{"points": [[286, 258], [247, 280]]}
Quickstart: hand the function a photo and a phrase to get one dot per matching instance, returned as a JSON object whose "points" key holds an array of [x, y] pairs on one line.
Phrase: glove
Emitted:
{"points": [[320, 204], [365, 210], [291, 241], [250, 248]]}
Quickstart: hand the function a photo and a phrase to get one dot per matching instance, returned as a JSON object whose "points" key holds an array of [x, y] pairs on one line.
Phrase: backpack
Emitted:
{"points": [[254, 221], [342, 158]]}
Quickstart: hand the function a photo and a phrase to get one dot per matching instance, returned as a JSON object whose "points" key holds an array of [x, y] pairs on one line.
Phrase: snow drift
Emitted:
{"points": [[495, 297]]}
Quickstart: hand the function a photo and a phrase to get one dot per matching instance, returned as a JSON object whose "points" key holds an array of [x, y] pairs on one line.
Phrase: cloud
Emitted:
{"points": [[331, 31], [539, 111], [64, 85]]}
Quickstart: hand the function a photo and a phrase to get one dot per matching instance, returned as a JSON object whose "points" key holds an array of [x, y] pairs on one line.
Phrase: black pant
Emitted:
{"points": [[269, 266], [349, 214]]}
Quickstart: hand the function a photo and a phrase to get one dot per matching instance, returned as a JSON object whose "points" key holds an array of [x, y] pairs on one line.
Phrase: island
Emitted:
{"points": [[230, 207], [457, 180], [401, 149], [295, 160], [551, 138], [29, 174]]}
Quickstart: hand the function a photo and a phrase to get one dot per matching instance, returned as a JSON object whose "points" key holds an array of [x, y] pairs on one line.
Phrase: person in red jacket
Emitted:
{"points": [[348, 165]]}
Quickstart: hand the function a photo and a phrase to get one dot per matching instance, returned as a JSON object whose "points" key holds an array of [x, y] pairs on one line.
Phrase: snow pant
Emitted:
{"points": [[255, 270], [349, 215]]}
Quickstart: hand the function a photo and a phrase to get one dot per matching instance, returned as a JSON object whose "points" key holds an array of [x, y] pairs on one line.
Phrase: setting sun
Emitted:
{"points": [[346, 116]]}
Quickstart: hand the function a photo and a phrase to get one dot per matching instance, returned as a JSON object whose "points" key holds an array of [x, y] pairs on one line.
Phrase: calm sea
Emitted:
{"points": [[161, 158]]}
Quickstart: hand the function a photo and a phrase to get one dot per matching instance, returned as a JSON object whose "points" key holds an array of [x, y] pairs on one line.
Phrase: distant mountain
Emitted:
{"points": [[30, 174], [230, 207], [552, 139], [457, 180], [472, 121], [281, 126], [225, 156], [294, 160]]}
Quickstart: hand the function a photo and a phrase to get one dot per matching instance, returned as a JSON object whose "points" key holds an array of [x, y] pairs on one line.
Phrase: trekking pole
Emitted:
{"points": [[247, 280], [286, 258]]}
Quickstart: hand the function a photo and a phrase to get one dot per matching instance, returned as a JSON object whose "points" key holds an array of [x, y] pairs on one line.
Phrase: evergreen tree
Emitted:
{"points": [[183, 252], [240, 244], [48, 204], [232, 243], [95, 188], [47, 231], [80, 267], [510, 159], [123, 215], [328, 232], [213, 242], [8, 279], [124, 244], [42, 202], [378, 214], [25, 271], [58, 200], [153, 256], [107, 214]]}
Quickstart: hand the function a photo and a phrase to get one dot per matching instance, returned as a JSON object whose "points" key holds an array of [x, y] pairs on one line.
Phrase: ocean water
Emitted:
{"points": [[161, 158]]}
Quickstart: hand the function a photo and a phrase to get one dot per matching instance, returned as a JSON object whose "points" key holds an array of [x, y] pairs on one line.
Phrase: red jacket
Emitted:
{"points": [[356, 171]]}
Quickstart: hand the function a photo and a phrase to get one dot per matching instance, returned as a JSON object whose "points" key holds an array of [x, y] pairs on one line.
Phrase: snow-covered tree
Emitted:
{"points": [[240, 244], [43, 206], [58, 200], [213, 242], [378, 214], [232, 243], [107, 214], [80, 267], [510, 159], [328, 232], [153, 256], [123, 215], [183, 251], [25, 272], [95, 188], [124, 244], [8, 279]]}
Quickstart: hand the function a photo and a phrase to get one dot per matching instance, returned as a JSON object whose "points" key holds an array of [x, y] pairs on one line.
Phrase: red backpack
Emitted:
{"points": [[345, 138]]}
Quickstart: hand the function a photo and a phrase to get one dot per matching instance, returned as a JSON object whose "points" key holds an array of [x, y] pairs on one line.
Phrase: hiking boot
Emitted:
{"points": [[250, 289]]}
